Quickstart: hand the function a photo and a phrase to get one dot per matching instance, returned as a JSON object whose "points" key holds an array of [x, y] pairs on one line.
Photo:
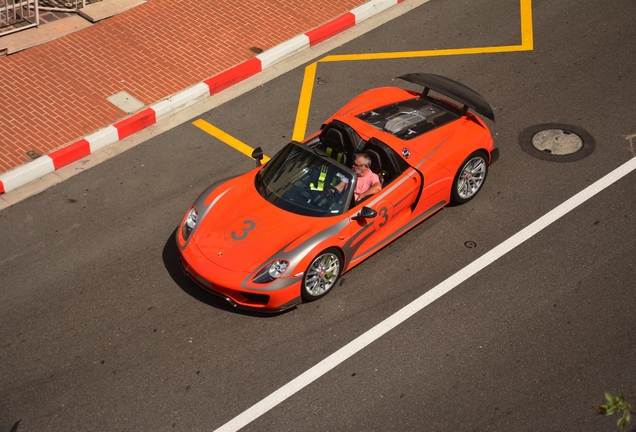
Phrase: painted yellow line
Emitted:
{"points": [[526, 45], [427, 53], [304, 102], [302, 115], [527, 38], [226, 138]]}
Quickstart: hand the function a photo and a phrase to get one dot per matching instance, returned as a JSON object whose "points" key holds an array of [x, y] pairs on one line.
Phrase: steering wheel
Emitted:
{"points": [[312, 196], [305, 192], [333, 192]]}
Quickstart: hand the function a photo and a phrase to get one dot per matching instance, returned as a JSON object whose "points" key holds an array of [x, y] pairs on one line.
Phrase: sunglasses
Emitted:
{"points": [[359, 166]]}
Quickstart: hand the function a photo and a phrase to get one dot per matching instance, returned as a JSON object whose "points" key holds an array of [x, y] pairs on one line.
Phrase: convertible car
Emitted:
{"points": [[282, 234]]}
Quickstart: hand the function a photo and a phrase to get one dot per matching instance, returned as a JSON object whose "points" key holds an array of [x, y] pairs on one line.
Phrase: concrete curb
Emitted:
{"points": [[57, 159]]}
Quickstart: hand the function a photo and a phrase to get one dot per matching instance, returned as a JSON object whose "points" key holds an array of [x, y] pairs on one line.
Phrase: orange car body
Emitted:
{"points": [[237, 231]]}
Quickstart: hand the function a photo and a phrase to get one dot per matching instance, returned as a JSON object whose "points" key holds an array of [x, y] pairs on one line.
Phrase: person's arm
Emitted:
{"points": [[339, 188], [375, 188]]}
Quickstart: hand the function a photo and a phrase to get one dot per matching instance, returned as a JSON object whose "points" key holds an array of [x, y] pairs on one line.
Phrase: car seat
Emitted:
{"points": [[376, 164], [333, 143]]}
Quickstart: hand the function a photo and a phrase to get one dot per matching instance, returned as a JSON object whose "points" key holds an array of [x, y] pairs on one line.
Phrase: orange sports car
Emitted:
{"points": [[283, 233]]}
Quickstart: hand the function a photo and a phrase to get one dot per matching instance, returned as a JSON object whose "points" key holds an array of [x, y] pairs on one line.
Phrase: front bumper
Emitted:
{"points": [[264, 301]]}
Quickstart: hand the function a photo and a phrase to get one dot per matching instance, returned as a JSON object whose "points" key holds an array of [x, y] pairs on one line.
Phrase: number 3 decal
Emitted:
{"points": [[243, 230], [385, 213], [249, 225], [384, 216]]}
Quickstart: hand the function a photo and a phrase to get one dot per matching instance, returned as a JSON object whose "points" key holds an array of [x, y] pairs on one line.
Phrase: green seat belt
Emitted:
{"points": [[323, 173]]}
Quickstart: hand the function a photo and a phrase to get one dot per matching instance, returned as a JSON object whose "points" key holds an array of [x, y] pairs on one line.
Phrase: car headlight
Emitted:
{"points": [[271, 271], [190, 222]]}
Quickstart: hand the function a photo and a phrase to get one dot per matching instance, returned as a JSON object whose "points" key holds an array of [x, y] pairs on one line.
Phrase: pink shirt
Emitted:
{"points": [[364, 183]]}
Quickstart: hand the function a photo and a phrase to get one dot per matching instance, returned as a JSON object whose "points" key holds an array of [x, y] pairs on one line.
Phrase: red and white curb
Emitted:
{"points": [[73, 152]]}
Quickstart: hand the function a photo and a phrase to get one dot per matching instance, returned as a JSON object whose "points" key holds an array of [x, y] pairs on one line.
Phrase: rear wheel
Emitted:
{"points": [[321, 275], [470, 177]]}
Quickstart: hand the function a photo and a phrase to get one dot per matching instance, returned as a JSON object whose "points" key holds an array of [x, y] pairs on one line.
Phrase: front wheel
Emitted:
{"points": [[321, 275], [470, 178]]}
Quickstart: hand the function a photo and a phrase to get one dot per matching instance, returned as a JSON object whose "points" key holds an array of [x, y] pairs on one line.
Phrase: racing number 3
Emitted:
{"points": [[249, 225], [385, 213]]}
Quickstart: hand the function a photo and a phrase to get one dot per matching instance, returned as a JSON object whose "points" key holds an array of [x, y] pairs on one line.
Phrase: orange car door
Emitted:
{"points": [[393, 207]]}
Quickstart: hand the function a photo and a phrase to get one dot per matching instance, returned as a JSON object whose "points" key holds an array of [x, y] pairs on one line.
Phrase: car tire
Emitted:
{"points": [[321, 275], [470, 178]]}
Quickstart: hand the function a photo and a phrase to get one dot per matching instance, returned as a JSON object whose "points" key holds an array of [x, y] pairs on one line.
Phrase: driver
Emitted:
{"points": [[368, 181]]}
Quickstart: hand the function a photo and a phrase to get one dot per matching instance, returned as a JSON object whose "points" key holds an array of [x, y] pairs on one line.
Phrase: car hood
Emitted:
{"points": [[241, 231]]}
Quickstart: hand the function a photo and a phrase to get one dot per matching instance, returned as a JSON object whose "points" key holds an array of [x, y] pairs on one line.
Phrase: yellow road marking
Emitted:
{"points": [[226, 138], [415, 54], [527, 38], [304, 102], [526, 45], [302, 115]]}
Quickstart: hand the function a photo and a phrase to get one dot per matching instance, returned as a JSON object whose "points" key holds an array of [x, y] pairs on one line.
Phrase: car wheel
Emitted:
{"points": [[470, 178], [321, 275]]}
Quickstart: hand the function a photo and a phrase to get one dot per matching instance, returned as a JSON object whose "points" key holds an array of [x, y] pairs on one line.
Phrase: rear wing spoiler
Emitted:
{"points": [[453, 89]]}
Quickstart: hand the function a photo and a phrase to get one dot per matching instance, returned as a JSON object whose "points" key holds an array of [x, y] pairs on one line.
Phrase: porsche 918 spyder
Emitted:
{"points": [[283, 233]]}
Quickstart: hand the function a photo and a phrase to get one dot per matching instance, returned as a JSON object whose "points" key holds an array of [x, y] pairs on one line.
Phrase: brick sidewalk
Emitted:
{"points": [[55, 94]]}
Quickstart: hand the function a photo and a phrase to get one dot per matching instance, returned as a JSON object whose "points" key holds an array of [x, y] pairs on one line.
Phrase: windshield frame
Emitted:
{"points": [[299, 192]]}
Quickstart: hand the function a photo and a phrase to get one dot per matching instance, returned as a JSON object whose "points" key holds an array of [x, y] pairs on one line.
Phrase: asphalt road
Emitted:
{"points": [[100, 331]]}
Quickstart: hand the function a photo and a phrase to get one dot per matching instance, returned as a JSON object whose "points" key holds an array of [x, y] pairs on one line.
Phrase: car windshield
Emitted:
{"points": [[303, 181]]}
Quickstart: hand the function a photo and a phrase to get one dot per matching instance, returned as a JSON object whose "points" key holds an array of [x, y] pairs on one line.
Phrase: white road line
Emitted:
{"points": [[421, 302]]}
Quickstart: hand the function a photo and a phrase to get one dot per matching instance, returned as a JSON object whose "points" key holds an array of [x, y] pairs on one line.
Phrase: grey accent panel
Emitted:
{"points": [[411, 224], [295, 256], [199, 204], [295, 301], [358, 238], [278, 284], [383, 192], [202, 209], [351, 250], [203, 195], [428, 156]]}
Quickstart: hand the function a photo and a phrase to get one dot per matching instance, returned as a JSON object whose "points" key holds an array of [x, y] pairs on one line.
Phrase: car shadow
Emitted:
{"points": [[171, 262]]}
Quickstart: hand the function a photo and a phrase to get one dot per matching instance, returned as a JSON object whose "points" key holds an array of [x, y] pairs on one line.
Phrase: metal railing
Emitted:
{"points": [[62, 6], [16, 15]]}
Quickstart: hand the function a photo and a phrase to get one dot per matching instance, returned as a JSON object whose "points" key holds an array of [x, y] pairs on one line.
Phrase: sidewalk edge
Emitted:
{"points": [[72, 152]]}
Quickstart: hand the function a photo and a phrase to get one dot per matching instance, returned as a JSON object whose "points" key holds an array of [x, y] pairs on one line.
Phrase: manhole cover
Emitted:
{"points": [[556, 142]]}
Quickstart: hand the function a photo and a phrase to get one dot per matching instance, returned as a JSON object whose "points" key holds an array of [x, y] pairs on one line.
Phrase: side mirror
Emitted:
{"points": [[258, 155], [365, 213]]}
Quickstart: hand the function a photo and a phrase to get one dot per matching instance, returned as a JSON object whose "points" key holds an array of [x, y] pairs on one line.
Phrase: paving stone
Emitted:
{"points": [[59, 90]]}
